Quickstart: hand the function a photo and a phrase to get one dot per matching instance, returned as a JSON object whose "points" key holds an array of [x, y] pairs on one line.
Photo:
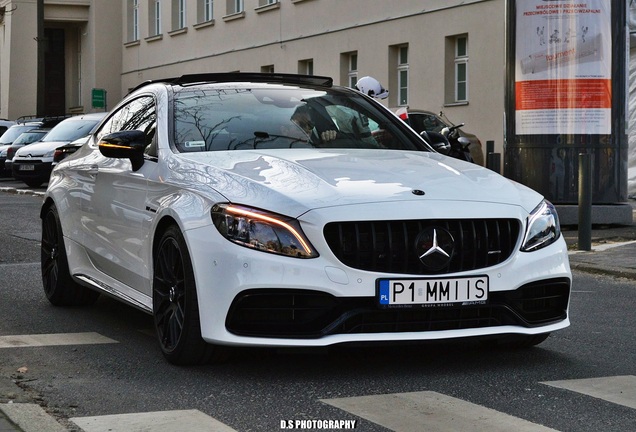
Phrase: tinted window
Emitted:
{"points": [[138, 114], [213, 119], [70, 130]]}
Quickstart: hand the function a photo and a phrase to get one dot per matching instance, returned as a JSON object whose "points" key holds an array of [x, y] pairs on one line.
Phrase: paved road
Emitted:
{"points": [[99, 368]]}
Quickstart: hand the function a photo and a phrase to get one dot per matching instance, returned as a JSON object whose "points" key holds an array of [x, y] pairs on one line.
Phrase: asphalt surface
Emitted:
{"points": [[613, 253]]}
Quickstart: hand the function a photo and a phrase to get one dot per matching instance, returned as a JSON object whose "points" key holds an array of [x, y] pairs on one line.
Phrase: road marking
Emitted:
{"points": [[620, 390], [433, 412], [161, 421], [21, 341]]}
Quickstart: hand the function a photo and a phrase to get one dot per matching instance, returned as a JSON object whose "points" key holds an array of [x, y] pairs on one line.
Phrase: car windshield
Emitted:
{"points": [[70, 130], [212, 119], [13, 133], [29, 137]]}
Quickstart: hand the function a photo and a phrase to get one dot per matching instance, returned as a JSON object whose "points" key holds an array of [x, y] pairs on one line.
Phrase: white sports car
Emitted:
{"points": [[280, 210]]}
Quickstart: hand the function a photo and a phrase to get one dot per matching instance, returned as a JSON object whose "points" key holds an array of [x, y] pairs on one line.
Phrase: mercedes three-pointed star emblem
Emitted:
{"points": [[434, 247]]}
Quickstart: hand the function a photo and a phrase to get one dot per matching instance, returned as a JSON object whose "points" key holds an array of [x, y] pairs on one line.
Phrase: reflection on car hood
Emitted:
{"points": [[293, 182], [39, 149]]}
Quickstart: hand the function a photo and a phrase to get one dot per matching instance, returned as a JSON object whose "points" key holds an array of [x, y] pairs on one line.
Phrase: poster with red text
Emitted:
{"points": [[563, 67]]}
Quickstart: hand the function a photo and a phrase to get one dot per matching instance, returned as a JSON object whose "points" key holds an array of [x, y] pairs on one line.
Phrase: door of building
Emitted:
{"points": [[54, 72]]}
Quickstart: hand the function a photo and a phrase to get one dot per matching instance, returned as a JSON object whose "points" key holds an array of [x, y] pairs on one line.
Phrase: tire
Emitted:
{"points": [[175, 305], [58, 284], [516, 341], [33, 183]]}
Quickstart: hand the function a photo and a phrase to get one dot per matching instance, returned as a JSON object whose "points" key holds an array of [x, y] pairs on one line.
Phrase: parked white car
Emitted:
{"points": [[33, 163], [280, 210]]}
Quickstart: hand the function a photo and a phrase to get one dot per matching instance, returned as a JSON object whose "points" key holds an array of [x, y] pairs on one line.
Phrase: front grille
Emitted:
{"points": [[390, 246], [310, 314]]}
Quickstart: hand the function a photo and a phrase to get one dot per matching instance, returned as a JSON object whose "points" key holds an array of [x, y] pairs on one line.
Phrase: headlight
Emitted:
{"points": [[260, 230], [542, 228]]}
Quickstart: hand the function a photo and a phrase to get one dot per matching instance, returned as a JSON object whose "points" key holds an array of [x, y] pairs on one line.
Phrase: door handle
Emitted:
{"points": [[93, 170]]}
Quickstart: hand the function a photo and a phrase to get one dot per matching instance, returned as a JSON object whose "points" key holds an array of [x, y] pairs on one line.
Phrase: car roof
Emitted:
{"points": [[89, 116], [237, 77]]}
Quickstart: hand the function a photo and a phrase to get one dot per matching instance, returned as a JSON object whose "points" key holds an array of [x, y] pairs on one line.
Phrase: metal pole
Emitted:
{"points": [[585, 202], [41, 49]]}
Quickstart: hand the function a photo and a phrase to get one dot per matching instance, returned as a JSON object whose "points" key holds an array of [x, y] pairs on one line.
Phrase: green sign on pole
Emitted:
{"points": [[98, 98]]}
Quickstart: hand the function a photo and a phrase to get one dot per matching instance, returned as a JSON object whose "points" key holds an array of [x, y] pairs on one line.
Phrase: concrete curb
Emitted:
{"points": [[16, 191], [605, 271], [30, 418]]}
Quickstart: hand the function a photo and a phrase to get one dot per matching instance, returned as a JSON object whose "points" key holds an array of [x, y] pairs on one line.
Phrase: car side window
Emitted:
{"points": [[139, 114]]}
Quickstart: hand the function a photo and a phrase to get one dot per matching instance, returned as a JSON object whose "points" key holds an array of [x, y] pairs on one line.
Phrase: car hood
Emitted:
{"points": [[39, 148], [296, 181]]}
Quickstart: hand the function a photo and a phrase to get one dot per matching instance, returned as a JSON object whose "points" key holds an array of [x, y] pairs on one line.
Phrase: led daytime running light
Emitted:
{"points": [[290, 228]]}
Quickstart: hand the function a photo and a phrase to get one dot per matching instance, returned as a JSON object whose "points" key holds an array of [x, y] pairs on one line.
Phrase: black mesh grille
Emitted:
{"points": [[310, 314], [389, 246]]}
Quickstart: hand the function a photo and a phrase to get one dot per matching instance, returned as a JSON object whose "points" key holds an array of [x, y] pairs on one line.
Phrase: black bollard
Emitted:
{"points": [[585, 202]]}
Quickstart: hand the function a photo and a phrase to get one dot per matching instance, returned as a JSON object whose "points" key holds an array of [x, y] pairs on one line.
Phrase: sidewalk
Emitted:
{"points": [[613, 249]]}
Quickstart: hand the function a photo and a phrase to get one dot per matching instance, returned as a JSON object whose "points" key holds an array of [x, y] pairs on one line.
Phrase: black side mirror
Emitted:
{"points": [[125, 145]]}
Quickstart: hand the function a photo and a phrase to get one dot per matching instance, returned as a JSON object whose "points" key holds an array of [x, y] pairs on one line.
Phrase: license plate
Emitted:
{"points": [[27, 167], [433, 291]]}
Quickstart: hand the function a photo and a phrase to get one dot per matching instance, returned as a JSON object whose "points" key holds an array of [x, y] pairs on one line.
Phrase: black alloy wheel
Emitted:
{"points": [[175, 305], [59, 286]]}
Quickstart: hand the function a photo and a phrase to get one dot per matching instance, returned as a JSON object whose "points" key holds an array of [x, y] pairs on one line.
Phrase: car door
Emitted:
{"points": [[114, 211]]}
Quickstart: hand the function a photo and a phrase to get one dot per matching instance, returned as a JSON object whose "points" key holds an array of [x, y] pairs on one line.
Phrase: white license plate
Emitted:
{"points": [[27, 167], [433, 291]]}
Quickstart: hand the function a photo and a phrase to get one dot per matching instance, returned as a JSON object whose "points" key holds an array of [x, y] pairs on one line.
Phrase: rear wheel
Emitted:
{"points": [[175, 304], [59, 286]]}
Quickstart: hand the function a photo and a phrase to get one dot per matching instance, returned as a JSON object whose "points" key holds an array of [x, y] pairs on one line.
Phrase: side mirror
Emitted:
{"points": [[125, 145]]}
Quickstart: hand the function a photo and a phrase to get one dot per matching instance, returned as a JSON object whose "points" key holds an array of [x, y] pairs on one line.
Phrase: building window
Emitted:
{"points": [[235, 6], [306, 67], [266, 2], [267, 69], [133, 20], [205, 10], [461, 69], [178, 14], [155, 18], [352, 75], [403, 75]]}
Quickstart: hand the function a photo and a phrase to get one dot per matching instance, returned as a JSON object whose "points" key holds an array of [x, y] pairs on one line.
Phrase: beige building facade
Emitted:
{"points": [[83, 48], [439, 55]]}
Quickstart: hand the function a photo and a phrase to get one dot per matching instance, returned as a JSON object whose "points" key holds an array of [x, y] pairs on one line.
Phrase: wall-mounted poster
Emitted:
{"points": [[563, 67]]}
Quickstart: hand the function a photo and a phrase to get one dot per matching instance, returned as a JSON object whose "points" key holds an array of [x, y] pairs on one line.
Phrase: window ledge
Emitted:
{"points": [[203, 24], [154, 38], [178, 32], [234, 16], [298, 1], [268, 7], [452, 104], [132, 43]]}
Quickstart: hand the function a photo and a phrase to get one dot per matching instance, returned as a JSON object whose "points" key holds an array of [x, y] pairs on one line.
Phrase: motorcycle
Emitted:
{"points": [[458, 144], [449, 143]]}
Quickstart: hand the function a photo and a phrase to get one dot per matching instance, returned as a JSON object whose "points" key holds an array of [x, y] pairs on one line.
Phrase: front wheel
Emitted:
{"points": [[59, 286], [175, 304]]}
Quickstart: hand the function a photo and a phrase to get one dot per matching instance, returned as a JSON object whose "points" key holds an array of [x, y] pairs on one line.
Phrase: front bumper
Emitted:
{"points": [[248, 297], [33, 169]]}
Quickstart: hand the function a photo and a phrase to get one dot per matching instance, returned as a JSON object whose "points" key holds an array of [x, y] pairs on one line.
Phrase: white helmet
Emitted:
{"points": [[372, 87]]}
